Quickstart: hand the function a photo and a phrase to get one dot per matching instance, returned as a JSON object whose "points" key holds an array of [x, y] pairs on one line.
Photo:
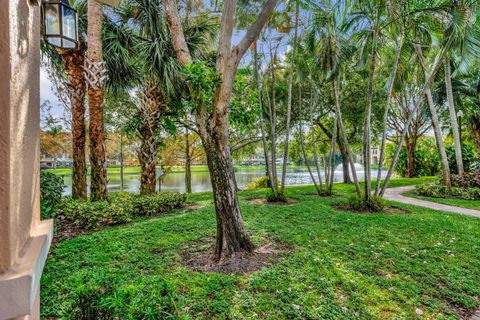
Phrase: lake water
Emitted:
{"points": [[201, 180]]}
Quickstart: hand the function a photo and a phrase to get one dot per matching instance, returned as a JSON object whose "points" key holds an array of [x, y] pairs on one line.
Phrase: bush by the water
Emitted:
{"points": [[441, 191], [120, 208], [259, 183], [373, 204], [51, 189]]}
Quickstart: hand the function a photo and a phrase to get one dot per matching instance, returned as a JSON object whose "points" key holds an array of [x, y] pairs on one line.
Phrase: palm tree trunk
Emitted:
{"points": [[391, 81], [289, 99], [453, 116], [273, 127], [152, 105], [438, 136], [434, 117], [121, 162], [73, 61], [95, 76], [262, 117], [304, 152], [331, 160], [343, 135], [188, 164], [368, 117]]}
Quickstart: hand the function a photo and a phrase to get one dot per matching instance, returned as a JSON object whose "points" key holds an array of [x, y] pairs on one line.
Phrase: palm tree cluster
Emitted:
{"points": [[328, 74]]}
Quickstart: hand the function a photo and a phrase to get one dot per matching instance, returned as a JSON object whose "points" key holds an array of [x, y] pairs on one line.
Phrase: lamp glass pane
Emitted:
{"points": [[69, 23], [52, 19], [67, 44], [56, 41]]}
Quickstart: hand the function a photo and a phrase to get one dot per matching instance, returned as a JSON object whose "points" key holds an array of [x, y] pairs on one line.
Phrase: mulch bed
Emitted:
{"points": [[264, 201], [197, 259], [67, 229], [386, 210]]}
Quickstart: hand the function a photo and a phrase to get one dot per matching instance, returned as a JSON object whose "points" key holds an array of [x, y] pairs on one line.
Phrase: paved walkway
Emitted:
{"points": [[395, 194]]}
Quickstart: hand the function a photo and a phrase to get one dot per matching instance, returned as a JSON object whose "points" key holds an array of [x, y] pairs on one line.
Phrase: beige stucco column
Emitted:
{"points": [[24, 240]]}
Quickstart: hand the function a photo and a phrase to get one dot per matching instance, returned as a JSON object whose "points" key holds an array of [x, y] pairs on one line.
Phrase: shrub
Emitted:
{"points": [[259, 183], [158, 203], [121, 208], [51, 189], [441, 191], [373, 204], [467, 179], [276, 197]]}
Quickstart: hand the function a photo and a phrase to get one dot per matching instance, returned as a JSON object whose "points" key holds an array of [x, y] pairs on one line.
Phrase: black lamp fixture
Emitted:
{"points": [[60, 24]]}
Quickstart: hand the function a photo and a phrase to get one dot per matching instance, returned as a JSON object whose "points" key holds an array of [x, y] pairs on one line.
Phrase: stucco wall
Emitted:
{"points": [[19, 126]]}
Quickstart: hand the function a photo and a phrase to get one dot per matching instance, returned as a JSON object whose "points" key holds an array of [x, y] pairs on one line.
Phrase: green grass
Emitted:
{"points": [[469, 204], [343, 265]]}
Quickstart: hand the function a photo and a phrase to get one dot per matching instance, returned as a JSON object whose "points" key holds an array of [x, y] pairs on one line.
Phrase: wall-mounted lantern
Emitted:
{"points": [[60, 24]]}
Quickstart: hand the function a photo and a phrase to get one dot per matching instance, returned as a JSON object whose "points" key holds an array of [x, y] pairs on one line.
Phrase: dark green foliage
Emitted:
{"points": [[279, 196], [467, 179], [427, 161], [373, 204], [469, 156], [441, 191], [51, 189], [121, 208], [105, 298]]}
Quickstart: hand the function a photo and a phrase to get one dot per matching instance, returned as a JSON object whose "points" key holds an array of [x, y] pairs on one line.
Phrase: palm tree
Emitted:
{"points": [[289, 97], [160, 72], [69, 64], [95, 75], [332, 51]]}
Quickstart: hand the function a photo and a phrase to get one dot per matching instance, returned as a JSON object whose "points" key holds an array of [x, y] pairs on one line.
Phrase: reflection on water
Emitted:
{"points": [[201, 180]]}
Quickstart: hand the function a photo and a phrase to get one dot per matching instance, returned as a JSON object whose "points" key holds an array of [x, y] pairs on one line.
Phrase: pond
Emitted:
{"points": [[175, 181]]}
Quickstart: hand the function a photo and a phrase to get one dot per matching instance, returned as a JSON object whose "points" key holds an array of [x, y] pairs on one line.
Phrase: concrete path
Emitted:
{"points": [[395, 194]]}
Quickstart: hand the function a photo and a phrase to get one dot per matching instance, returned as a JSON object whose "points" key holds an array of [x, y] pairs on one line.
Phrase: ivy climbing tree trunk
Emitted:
{"points": [[73, 63], [95, 72], [213, 126]]}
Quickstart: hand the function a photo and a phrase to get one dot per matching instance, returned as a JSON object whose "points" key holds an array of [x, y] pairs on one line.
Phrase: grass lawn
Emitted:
{"points": [[469, 204], [425, 264]]}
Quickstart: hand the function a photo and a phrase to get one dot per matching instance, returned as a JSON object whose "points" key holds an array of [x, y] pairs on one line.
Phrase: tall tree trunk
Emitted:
{"points": [[475, 128], [425, 92], [434, 117], [345, 164], [391, 81], [367, 138], [213, 126], [188, 164], [262, 116], [343, 135], [95, 76], [304, 152], [315, 154], [289, 98], [273, 128], [74, 61], [453, 116], [121, 162], [411, 145], [152, 105], [331, 160]]}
